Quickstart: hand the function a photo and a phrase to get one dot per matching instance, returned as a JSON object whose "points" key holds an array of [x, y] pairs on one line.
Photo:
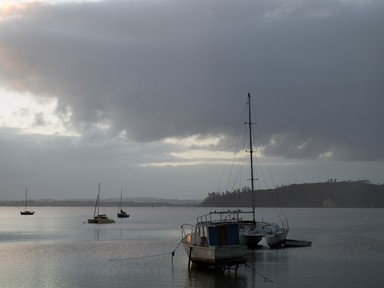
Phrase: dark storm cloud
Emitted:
{"points": [[157, 69]]}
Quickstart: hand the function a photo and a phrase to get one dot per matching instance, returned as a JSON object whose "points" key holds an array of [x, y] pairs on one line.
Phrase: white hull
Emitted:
{"points": [[251, 234], [250, 237], [213, 243], [276, 239], [215, 256]]}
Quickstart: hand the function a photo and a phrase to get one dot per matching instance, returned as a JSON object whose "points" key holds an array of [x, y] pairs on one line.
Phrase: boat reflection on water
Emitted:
{"points": [[199, 276]]}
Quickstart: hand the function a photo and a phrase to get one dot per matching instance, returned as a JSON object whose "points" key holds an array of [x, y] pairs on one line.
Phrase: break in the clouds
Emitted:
{"points": [[146, 71]]}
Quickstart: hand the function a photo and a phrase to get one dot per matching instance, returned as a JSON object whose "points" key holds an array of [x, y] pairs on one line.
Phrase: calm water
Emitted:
{"points": [[55, 248]]}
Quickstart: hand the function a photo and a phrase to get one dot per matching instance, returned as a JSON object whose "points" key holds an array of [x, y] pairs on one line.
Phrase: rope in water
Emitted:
{"points": [[266, 279], [148, 256]]}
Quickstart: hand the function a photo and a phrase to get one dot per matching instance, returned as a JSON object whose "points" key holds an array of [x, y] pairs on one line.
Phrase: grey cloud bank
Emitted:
{"points": [[149, 70]]}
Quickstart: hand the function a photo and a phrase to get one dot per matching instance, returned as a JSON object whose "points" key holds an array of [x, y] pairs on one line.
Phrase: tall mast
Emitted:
{"points": [[251, 155], [98, 203], [121, 199], [26, 197]]}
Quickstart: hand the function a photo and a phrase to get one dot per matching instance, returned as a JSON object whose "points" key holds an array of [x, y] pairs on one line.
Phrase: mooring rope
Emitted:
{"points": [[148, 256], [266, 279]]}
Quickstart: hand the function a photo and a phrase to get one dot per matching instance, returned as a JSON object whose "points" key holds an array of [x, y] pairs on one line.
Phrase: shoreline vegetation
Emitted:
{"points": [[330, 194]]}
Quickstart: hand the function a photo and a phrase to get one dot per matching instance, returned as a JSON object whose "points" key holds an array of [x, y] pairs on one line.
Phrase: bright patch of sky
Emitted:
{"points": [[13, 8], [198, 157], [28, 114], [194, 140]]}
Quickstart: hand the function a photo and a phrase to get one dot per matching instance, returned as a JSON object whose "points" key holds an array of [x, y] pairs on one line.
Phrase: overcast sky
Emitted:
{"points": [[145, 95]]}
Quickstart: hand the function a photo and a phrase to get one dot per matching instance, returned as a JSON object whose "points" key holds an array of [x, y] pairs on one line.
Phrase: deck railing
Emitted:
{"points": [[223, 216]]}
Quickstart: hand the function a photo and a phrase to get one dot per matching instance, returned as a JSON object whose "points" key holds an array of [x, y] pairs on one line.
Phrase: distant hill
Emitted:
{"points": [[326, 194], [128, 202]]}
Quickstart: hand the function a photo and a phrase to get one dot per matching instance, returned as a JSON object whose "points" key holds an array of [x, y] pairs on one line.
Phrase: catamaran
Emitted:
{"points": [[97, 217]]}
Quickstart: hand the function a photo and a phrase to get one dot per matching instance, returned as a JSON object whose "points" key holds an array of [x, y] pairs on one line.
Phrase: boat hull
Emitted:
{"points": [[251, 241], [97, 217], [27, 212], [251, 233], [122, 215], [276, 239], [216, 256], [101, 219], [250, 237]]}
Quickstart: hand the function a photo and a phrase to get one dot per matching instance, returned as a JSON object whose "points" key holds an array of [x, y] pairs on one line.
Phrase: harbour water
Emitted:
{"points": [[57, 248]]}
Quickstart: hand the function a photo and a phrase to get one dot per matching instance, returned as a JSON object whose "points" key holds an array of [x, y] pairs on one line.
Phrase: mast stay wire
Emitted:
{"points": [[265, 160]]}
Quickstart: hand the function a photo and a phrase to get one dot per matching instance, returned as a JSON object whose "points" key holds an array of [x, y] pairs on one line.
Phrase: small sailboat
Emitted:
{"points": [[26, 212], [213, 242], [97, 217], [120, 212]]}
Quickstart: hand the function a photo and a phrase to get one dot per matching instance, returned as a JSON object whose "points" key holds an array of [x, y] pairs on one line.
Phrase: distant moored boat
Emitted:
{"points": [[97, 217], [120, 212], [26, 212]]}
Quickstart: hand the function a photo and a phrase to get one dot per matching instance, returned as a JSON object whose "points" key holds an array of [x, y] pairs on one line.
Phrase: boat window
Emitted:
{"points": [[202, 231]]}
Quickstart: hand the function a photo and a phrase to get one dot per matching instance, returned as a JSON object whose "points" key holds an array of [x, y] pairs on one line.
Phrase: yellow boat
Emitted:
{"points": [[97, 217]]}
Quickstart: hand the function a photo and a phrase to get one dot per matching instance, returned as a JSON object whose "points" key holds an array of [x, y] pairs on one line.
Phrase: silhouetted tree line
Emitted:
{"points": [[360, 193]]}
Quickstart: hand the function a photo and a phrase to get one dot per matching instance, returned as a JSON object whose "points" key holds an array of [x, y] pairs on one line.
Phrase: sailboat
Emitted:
{"points": [[26, 212], [272, 232], [251, 232], [120, 212], [97, 217]]}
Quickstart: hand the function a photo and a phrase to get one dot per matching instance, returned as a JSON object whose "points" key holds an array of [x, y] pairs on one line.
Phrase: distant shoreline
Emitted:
{"points": [[330, 194], [106, 203]]}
